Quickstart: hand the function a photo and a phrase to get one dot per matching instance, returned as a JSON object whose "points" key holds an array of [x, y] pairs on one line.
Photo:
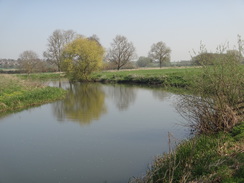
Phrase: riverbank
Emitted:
{"points": [[41, 76], [173, 77], [204, 158], [17, 94]]}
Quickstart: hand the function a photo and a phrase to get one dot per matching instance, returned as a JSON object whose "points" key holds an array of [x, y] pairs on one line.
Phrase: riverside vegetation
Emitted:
{"points": [[210, 156], [216, 115], [173, 77], [17, 94]]}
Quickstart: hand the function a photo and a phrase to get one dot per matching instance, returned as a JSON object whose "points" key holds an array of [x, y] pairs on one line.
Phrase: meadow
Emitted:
{"points": [[174, 77], [17, 94]]}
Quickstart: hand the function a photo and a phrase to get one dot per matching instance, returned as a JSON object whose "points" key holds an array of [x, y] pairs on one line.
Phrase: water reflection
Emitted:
{"points": [[122, 95], [161, 94], [84, 103]]}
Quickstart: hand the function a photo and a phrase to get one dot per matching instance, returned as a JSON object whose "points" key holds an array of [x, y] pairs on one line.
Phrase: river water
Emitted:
{"points": [[98, 133]]}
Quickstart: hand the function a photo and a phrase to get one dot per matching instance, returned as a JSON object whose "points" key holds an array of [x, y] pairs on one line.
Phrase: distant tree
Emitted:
{"points": [[81, 57], [56, 43], [160, 52], [211, 58], [29, 61], [240, 44], [121, 51], [94, 37], [143, 62]]}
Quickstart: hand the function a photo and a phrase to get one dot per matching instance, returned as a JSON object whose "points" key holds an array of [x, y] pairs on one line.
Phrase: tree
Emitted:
{"points": [[81, 57], [56, 44], [121, 52], [94, 37], [143, 62], [160, 52], [28, 61]]}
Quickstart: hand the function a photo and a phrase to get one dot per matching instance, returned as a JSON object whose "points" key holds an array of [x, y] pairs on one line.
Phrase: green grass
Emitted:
{"points": [[176, 77], [204, 158], [41, 76], [16, 94]]}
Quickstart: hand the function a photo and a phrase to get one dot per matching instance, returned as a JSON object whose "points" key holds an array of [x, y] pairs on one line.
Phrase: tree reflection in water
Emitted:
{"points": [[161, 94], [122, 95], [84, 103]]}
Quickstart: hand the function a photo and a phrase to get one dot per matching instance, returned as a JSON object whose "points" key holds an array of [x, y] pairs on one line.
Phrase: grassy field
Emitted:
{"points": [[41, 76], [17, 94], [176, 77], [202, 159]]}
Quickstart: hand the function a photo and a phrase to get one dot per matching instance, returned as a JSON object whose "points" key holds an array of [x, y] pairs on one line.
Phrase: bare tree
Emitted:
{"points": [[28, 61], [160, 52], [56, 43], [121, 51], [94, 37]]}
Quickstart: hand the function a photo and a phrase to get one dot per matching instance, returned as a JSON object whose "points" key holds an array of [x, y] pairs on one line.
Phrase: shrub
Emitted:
{"points": [[219, 96]]}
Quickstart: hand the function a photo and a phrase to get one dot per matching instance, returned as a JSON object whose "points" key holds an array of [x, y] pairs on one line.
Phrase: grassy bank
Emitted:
{"points": [[175, 77], [17, 94], [41, 76], [204, 158]]}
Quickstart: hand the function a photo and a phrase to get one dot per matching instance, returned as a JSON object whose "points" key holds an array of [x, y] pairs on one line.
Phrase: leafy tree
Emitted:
{"points": [[56, 44], [144, 62], [121, 52], [81, 57], [29, 61], [160, 52]]}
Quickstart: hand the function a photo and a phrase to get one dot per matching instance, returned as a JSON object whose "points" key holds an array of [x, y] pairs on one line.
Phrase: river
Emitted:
{"points": [[99, 133]]}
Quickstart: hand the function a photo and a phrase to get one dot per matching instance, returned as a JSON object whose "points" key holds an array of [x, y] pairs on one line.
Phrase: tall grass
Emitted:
{"points": [[204, 158]]}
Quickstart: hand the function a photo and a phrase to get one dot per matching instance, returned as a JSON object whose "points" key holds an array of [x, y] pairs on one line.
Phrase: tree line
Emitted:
{"points": [[78, 55], [68, 50]]}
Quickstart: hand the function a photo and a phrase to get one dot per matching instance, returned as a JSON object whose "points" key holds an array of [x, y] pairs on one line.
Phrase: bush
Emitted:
{"points": [[219, 96]]}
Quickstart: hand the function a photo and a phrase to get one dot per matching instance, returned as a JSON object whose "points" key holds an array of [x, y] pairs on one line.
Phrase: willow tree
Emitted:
{"points": [[81, 57]]}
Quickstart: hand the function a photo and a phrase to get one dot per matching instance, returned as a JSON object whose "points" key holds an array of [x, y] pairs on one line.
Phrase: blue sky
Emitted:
{"points": [[181, 24]]}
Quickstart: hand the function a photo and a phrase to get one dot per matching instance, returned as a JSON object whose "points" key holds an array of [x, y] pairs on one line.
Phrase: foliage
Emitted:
{"points": [[144, 62], [121, 52], [81, 57], [160, 52], [204, 158], [218, 103], [16, 94]]}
